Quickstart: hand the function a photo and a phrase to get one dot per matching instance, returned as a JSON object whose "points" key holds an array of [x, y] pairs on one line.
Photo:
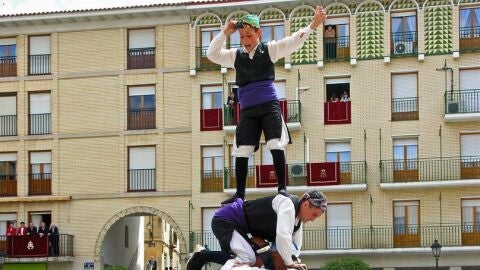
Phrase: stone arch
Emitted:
{"points": [[271, 14], [143, 210], [403, 4], [369, 6], [207, 19], [338, 9], [235, 15], [432, 3]]}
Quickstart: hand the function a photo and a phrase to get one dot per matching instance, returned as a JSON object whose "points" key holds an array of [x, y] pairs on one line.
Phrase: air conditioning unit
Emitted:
{"points": [[297, 170], [400, 48]]}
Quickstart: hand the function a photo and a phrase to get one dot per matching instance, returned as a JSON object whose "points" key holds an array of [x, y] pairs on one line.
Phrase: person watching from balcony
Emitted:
{"points": [[276, 219], [11, 230], [231, 104], [54, 238], [330, 42], [22, 230], [345, 97], [255, 76], [31, 230], [334, 98], [43, 230]]}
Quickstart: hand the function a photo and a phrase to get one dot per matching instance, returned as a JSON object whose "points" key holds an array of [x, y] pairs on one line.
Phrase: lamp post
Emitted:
{"points": [[436, 249]]}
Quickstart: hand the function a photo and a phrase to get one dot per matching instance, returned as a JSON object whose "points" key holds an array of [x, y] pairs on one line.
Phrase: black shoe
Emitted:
{"points": [[196, 261], [283, 192], [233, 198]]}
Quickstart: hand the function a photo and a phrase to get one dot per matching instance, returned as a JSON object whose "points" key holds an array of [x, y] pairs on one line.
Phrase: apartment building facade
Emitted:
{"points": [[90, 98]]}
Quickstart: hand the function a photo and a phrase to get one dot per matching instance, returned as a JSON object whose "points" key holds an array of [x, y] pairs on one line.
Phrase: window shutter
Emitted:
{"points": [[404, 85], [337, 80], [470, 145], [8, 217], [216, 151], [40, 157], [8, 41], [8, 157], [141, 90], [338, 147], [405, 141], [142, 158], [470, 203], [8, 105], [281, 90], [469, 79], [212, 89], [143, 38], [335, 21], [339, 215], [40, 45], [40, 103]]}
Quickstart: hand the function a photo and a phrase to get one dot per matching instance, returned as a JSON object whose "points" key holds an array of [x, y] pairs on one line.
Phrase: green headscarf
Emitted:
{"points": [[250, 19]]}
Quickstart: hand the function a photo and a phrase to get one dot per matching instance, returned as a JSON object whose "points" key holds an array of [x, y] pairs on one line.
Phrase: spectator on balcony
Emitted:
{"points": [[31, 230], [334, 98], [255, 76], [22, 230], [43, 229], [11, 230], [345, 97], [330, 42], [231, 102], [54, 239]]}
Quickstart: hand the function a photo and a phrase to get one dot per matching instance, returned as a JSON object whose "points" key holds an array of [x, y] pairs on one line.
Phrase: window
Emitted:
{"points": [[141, 107], [212, 169], [471, 220], [469, 96], [281, 87], [470, 22], [208, 238], [207, 35], [337, 108], [8, 57], [6, 218], [8, 115], [337, 38], [40, 114], [339, 226], [141, 48], [338, 89], [38, 217], [470, 155], [141, 169], [40, 173], [39, 55], [406, 222], [339, 152], [272, 31], [211, 117], [404, 33], [8, 174], [212, 97], [404, 97]]}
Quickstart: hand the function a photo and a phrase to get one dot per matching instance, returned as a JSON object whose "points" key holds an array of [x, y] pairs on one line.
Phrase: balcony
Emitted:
{"points": [[8, 66], [39, 184], [17, 248], [39, 64], [375, 237], [8, 125], [139, 58], [8, 185], [212, 181], [141, 119], [462, 106], [211, 119], [337, 113], [291, 112], [430, 172], [469, 39], [141, 180], [337, 48], [40, 124], [404, 109], [404, 43], [202, 62]]}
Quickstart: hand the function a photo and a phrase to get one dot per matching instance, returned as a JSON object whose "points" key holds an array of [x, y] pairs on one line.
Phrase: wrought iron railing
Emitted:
{"points": [[294, 111], [404, 109], [40, 184], [40, 124], [8, 185], [337, 48], [141, 180], [141, 119], [464, 101], [430, 169], [39, 64], [141, 58], [230, 180], [375, 237], [8, 66], [404, 43], [8, 125], [353, 172], [469, 38], [202, 62], [212, 181]]}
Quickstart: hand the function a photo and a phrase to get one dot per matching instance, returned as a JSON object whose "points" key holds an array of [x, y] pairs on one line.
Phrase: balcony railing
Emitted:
{"points": [[39, 64], [8, 66], [404, 109], [141, 58], [141, 119], [8, 185], [40, 184], [430, 169], [376, 237], [404, 43], [141, 180], [337, 48], [291, 111], [56, 246], [469, 38], [202, 61], [231, 179], [212, 181], [464, 101], [8, 125], [40, 124]]}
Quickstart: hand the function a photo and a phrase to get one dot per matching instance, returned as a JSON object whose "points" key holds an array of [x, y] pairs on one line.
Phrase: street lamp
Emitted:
{"points": [[436, 249]]}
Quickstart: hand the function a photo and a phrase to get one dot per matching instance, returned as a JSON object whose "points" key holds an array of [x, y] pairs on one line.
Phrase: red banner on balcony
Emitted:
{"points": [[323, 174], [284, 109], [28, 246], [211, 119], [337, 113], [266, 176], [236, 114]]}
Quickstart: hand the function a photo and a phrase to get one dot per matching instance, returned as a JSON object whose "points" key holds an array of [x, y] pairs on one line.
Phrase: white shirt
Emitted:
{"points": [[286, 221], [276, 49]]}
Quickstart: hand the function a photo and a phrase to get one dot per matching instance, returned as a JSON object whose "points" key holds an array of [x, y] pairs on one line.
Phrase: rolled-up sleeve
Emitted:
{"points": [[219, 55], [286, 46]]}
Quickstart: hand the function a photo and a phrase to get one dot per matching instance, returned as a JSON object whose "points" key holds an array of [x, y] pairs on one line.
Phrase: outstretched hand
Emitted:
{"points": [[319, 17]]}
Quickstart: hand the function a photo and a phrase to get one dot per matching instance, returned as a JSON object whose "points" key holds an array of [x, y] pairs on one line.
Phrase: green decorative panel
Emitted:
{"points": [[433, 3], [271, 15], [438, 29], [308, 53], [403, 4], [337, 9], [370, 7], [469, 1], [370, 35], [207, 20], [237, 15]]}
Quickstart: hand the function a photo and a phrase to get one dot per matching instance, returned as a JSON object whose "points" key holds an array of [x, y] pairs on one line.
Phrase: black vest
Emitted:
{"points": [[261, 218], [260, 68]]}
